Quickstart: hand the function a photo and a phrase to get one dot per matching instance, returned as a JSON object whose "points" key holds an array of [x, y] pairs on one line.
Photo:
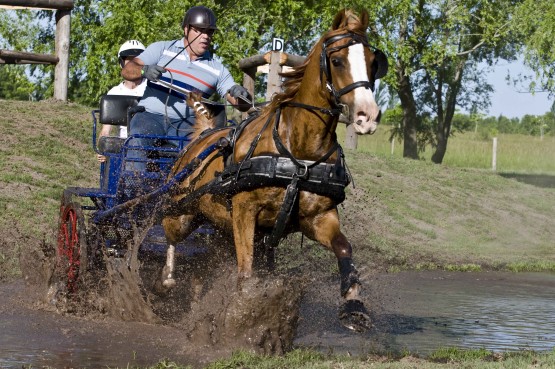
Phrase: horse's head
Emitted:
{"points": [[349, 67]]}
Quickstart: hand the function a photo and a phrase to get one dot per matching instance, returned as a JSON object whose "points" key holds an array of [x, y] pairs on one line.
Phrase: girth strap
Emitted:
{"points": [[271, 241]]}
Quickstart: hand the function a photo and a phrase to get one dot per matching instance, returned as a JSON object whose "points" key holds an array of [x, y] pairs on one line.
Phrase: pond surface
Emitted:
{"points": [[418, 312], [424, 311]]}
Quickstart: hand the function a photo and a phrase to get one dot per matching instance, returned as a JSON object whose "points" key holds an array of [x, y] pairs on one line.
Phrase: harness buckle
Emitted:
{"points": [[302, 172], [344, 109]]}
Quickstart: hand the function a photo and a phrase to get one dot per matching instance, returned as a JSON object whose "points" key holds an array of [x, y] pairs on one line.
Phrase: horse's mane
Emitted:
{"points": [[349, 22], [203, 118]]}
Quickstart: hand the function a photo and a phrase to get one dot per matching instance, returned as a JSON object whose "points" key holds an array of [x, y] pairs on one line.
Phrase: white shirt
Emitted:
{"points": [[121, 89]]}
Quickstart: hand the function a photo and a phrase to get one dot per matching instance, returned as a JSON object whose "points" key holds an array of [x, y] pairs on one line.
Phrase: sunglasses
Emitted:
{"points": [[206, 31]]}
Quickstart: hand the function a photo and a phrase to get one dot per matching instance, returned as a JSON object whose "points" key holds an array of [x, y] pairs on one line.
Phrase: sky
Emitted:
{"points": [[507, 99]]}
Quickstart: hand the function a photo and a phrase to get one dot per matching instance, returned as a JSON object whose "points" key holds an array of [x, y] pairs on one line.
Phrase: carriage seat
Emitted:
{"points": [[115, 110]]}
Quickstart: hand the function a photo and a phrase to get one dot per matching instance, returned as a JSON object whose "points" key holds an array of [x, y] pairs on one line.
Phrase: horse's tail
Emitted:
{"points": [[203, 118]]}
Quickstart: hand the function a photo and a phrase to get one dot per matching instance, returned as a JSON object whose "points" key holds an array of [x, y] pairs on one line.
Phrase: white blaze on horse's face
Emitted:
{"points": [[364, 112]]}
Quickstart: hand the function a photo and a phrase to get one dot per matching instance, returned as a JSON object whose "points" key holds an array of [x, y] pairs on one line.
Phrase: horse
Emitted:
{"points": [[282, 170]]}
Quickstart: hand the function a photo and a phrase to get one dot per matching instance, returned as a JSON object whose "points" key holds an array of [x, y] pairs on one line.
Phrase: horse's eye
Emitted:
{"points": [[336, 62]]}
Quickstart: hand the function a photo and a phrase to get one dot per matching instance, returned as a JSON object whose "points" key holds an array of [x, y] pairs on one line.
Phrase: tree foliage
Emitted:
{"points": [[436, 48], [534, 23], [18, 31], [98, 28]]}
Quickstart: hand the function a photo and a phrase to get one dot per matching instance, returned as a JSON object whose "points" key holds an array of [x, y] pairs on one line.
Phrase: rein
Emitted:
{"points": [[285, 152]]}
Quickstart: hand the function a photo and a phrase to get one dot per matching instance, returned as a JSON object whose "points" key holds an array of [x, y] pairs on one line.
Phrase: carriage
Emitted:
{"points": [[279, 172], [104, 219]]}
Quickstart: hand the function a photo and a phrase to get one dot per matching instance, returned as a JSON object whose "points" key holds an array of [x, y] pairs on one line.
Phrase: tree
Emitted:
{"points": [[19, 32], [435, 47], [534, 23]]}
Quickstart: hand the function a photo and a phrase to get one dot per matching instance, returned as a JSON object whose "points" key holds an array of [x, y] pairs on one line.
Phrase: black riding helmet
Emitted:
{"points": [[200, 17]]}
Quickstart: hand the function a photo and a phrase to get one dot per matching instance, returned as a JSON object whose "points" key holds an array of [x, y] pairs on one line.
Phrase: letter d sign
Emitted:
{"points": [[277, 44]]}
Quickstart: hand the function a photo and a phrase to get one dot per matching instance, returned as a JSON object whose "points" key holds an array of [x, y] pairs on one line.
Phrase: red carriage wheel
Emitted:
{"points": [[71, 253]]}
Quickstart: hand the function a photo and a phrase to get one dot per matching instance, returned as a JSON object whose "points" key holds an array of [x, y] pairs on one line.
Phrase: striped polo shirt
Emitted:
{"points": [[206, 75]]}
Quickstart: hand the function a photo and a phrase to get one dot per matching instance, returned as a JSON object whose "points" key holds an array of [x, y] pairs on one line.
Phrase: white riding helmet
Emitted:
{"points": [[130, 48]]}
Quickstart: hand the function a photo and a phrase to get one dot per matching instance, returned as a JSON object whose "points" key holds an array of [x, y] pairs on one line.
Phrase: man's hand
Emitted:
{"points": [[153, 72], [239, 92]]}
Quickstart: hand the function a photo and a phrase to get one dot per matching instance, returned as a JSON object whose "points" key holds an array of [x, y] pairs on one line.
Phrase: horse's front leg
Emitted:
{"points": [[325, 229], [244, 224]]}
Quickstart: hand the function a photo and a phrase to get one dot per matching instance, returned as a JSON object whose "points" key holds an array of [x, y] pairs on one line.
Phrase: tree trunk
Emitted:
{"points": [[410, 118], [445, 116], [439, 153]]}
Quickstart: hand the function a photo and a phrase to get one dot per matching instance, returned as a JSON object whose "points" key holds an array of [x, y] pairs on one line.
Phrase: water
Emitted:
{"points": [[418, 312], [421, 312]]}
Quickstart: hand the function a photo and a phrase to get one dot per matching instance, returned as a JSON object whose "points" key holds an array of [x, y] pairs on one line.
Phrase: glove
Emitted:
{"points": [[240, 92], [153, 72]]}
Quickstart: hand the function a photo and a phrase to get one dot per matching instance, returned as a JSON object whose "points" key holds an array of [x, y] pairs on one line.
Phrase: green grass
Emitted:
{"points": [[443, 358], [515, 153], [46, 148]]}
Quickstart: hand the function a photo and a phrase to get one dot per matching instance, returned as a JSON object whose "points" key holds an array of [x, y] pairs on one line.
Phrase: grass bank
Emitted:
{"points": [[399, 213], [515, 153]]}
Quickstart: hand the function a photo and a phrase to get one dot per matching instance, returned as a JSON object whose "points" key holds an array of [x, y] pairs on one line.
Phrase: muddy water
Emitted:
{"points": [[418, 312], [421, 312]]}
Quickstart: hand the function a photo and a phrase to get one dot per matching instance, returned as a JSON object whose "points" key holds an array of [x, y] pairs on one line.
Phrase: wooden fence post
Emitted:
{"points": [[61, 72], [351, 138], [274, 80], [61, 59]]}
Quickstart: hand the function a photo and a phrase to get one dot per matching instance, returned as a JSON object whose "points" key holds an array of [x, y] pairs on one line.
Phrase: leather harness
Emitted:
{"points": [[284, 170]]}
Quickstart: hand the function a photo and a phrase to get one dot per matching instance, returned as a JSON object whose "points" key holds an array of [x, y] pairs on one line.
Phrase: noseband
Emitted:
{"points": [[325, 67]]}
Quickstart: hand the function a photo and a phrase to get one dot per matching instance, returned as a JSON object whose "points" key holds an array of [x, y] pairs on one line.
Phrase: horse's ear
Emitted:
{"points": [[381, 64], [364, 18], [347, 18], [339, 20]]}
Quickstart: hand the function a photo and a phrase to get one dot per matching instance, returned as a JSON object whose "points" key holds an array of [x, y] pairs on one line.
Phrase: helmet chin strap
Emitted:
{"points": [[184, 47], [189, 43]]}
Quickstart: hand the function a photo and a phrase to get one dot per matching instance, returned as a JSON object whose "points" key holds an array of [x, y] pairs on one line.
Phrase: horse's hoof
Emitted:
{"points": [[354, 316]]}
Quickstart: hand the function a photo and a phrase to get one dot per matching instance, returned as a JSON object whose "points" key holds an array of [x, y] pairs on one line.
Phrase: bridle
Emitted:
{"points": [[325, 67]]}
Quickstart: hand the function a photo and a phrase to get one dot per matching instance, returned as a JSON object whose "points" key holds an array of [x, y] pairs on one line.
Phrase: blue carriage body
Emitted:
{"points": [[107, 216]]}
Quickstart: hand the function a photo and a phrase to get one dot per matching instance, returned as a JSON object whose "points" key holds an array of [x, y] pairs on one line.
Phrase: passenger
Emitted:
{"points": [[129, 87], [186, 63]]}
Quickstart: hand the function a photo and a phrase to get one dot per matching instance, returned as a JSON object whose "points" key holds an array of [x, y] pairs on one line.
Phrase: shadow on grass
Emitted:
{"points": [[538, 180]]}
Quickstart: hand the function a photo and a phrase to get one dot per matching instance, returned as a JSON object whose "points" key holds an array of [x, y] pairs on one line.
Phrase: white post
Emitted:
{"points": [[494, 155], [392, 145], [351, 138]]}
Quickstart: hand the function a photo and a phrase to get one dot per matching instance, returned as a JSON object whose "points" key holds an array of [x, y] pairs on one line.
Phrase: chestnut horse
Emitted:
{"points": [[292, 140]]}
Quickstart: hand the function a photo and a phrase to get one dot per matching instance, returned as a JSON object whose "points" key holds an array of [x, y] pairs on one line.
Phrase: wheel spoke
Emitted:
{"points": [[69, 246]]}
